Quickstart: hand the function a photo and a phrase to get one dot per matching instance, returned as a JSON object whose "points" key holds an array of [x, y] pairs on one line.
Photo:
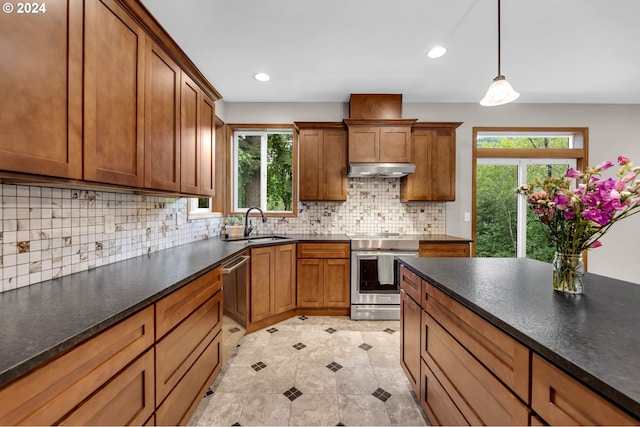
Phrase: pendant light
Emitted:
{"points": [[500, 92]]}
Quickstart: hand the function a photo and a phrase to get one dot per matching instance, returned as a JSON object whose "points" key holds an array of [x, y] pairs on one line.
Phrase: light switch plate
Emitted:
{"points": [[467, 216]]}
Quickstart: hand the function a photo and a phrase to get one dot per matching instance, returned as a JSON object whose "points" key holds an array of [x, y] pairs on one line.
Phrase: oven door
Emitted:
{"points": [[374, 276]]}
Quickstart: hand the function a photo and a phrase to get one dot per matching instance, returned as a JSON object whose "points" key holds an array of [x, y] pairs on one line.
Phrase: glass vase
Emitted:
{"points": [[568, 273]]}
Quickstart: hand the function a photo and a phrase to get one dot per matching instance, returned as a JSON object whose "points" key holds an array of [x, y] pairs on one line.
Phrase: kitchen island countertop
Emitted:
{"points": [[593, 336]]}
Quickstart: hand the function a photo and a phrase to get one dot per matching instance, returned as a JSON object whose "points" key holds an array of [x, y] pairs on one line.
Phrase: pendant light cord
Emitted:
{"points": [[499, 72]]}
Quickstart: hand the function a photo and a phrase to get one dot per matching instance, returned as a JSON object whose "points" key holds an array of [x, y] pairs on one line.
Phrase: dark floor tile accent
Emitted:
{"points": [[272, 330], [237, 345], [303, 317], [208, 393], [365, 346], [335, 367], [236, 424], [292, 394], [234, 330], [381, 394], [299, 346], [258, 366], [389, 331], [330, 330]]}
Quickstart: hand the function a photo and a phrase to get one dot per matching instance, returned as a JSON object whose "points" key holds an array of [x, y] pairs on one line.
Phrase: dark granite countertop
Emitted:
{"points": [[40, 321], [593, 336]]}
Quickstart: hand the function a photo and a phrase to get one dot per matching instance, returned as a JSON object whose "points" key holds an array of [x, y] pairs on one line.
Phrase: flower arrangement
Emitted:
{"points": [[577, 209]]}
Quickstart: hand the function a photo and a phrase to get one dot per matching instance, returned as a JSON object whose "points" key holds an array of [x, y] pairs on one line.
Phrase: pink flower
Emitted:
{"points": [[569, 214], [622, 160], [562, 201], [572, 173], [605, 165], [595, 244]]}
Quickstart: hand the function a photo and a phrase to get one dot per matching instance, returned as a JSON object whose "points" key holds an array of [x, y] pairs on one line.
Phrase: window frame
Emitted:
{"points": [[579, 154], [232, 167], [194, 212]]}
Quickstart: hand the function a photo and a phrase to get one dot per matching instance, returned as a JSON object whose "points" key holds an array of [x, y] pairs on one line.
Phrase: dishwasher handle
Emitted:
{"points": [[234, 264]]}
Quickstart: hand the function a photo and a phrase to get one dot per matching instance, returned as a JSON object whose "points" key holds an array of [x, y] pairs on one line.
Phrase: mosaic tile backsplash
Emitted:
{"points": [[49, 232]]}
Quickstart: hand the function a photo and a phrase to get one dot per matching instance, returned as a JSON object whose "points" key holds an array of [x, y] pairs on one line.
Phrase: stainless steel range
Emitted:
{"points": [[375, 285]]}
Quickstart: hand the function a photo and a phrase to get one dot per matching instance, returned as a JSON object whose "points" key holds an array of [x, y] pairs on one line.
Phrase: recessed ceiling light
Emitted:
{"points": [[437, 52], [262, 77]]}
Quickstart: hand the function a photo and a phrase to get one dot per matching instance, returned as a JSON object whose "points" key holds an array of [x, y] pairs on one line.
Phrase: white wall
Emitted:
{"points": [[613, 130]]}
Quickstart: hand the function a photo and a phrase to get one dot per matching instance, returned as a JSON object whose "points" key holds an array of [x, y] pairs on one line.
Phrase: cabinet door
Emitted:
{"points": [[334, 165], [336, 283], [190, 150], [41, 87], [410, 324], [125, 400], [114, 95], [207, 136], [311, 161], [442, 162], [310, 283], [395, 144], [285, 277], [262, 283], [363, 144], [434, 154], [162, 121]]}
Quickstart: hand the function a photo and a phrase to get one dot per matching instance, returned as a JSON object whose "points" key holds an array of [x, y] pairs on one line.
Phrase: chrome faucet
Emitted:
{"points": [[247, 228]]}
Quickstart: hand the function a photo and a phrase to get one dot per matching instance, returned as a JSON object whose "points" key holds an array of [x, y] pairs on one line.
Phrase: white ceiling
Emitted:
{"points": [[553, 51]]}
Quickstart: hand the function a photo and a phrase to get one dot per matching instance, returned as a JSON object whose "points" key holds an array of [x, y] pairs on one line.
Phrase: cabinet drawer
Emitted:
{"points": [[501, 354], [46, 395], [182, 402], [125, 400], [435, 401], [181, 347], [480, 397], [175, 307], [411, 283], [561, 400], [444, 250], [323, 250]]}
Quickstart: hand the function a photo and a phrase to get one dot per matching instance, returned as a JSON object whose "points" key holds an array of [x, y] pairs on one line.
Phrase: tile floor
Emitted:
{"points": [[313, 371]]}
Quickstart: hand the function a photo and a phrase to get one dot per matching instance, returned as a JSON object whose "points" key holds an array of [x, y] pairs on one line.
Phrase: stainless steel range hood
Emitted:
{"points": [[380, 170]]}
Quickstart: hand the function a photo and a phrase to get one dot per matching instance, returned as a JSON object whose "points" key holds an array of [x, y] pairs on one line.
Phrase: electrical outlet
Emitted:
{"points": [[467, 216], [109, 224]]}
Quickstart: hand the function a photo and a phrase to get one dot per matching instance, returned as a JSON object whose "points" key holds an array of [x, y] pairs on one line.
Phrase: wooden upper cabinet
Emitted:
{"points": [[114, 95], [208, 140], [41, 87], [323, 162], [385, 141], [190, 137], [395, 144], [434, 154], [162, 120]]}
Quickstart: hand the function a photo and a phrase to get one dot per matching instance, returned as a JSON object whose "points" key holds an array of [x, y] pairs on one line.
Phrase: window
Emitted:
{"points": [[263, 170], [503, 225], [200, 207]]}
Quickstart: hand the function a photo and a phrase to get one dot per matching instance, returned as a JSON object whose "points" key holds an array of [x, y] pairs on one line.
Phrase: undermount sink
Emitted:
{"points": [[257, 239]]}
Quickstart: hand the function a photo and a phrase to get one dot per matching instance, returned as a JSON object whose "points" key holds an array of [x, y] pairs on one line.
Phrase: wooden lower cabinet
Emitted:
{"points": [[435, 401], [273, 273], [125, 400], [561, 400], [440, 249], [48, 394], [124, 375], [410, 339], [324, 275]]}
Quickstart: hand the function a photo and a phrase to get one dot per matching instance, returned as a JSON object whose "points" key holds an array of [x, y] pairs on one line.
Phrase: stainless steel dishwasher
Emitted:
{"points": [[236, 280]]}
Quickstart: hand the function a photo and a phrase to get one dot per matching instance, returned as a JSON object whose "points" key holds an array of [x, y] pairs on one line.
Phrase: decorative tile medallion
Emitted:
{"points": [[381, 394], [272, 330], [258, 366], [292, 394], [365, 346], [299, 346], [335, 367], [234, 330], [330, 330], [389, 331]]}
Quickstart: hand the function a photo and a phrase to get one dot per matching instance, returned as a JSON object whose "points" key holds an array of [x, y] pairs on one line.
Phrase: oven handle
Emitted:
{"points": [[374, 254]]}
